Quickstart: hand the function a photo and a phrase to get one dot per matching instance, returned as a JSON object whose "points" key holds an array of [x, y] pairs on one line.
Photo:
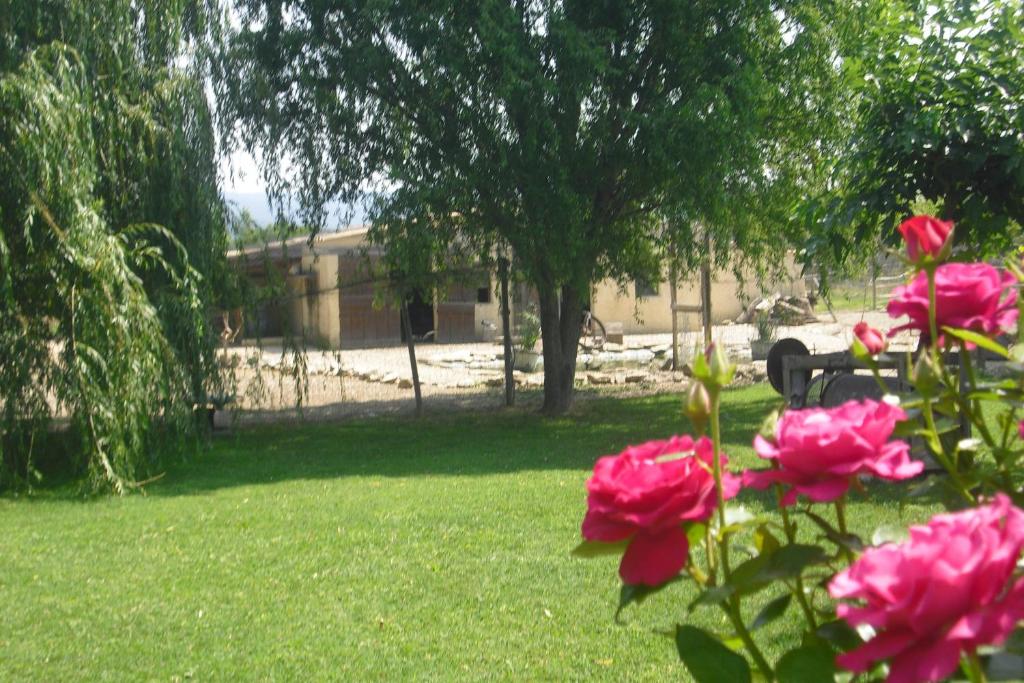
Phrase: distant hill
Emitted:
{"points": [[257, 205]]}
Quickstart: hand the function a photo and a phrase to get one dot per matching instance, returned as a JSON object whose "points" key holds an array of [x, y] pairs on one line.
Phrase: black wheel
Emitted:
{"points": [[784, 347]]}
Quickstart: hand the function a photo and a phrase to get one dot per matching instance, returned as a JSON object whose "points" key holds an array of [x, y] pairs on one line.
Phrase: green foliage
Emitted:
{"points": [[111, 231], [937, 120], [558, 130], [971, 426], [807, 664], [707, 660], [765, 326], [529, 330], [246, 232]]}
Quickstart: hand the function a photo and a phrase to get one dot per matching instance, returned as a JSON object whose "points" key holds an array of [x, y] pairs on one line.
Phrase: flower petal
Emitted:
{"points": [[653, 559]]}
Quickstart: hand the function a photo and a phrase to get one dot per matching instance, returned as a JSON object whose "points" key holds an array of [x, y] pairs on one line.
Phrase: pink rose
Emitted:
{"points": [[971, 296], [871, 338], [925, 235], [644, 494], [945, 591], [1020, 429], [817, 450]]}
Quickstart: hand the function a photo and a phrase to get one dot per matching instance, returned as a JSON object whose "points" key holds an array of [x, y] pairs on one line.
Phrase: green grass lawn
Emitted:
{"points": [[376, 550]]}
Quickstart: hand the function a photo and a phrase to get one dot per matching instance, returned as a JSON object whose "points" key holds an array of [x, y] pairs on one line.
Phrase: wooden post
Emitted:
{"points": [[673, 283], [705, 300], [874, 285], [506, 333], [412, 357]]}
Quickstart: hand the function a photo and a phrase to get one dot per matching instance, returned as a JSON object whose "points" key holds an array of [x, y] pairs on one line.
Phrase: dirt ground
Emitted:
{"points": [[373, 382]]}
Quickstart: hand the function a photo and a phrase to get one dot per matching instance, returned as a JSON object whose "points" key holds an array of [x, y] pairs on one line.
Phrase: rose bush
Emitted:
{"points": [[910, 611]]}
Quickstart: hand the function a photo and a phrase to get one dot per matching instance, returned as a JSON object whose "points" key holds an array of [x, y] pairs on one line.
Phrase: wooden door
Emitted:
{"points": [[362, 324], [456, 316]]}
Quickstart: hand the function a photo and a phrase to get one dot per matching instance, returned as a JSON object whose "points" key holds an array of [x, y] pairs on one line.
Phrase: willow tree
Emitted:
{"points": [[560, 126], [111, 229]]}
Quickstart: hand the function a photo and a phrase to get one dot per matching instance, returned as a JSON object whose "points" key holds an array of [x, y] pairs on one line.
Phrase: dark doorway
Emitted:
{"points": [[421, 318]]}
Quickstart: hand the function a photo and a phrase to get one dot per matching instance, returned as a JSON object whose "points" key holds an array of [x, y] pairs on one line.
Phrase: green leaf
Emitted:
{"points": [[746, 577], [791, 560], [978, 339], [840, 634], [772, 611], [695, 532], [707, 660], [630, 593], [764, 541], [848, 541], [588, 549], [713, 596], [807, 664], [925, 487]]}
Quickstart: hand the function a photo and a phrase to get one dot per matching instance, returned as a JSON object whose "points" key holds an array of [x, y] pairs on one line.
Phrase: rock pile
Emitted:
{"points": [[781, 310]]}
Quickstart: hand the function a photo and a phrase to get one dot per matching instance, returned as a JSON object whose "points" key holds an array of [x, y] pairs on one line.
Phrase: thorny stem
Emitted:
{"points": [[716, 466], [933, 327], [972, 667], [732, 611], [964, 405], [974, 416], [732, 605], [965, 358], [790, 529], [841, 521], [940, 453], [710, 548]]}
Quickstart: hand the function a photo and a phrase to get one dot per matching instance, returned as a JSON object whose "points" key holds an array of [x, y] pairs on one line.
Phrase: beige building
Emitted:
{"points": [[330, 299], [647, 308]]}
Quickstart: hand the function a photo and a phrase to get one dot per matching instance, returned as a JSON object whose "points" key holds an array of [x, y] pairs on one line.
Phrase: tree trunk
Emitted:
{"points": [[673, 283], [412, 357], [705, 299], [506, 333], [560, 329]]}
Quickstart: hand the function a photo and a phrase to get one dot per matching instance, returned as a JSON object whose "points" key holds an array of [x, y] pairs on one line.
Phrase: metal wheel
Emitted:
{"points": [[784, 347]]}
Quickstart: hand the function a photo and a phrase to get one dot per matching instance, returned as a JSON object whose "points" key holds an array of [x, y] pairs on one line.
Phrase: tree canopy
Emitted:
{"points": [[939, 116], [557, 128], [111, 229]]}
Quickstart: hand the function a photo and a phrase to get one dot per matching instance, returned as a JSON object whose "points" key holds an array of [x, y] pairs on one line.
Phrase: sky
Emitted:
{"points": [[243, 187], [246, 174]]}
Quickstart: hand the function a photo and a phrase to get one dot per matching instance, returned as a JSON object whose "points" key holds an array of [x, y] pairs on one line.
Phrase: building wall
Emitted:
{"points": [[653, 314], [489, 311], [326, 299], [347, 318]]}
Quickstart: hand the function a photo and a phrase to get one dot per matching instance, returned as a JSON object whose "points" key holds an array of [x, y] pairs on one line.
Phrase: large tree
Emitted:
{"points": [[111, 229], [938, 117], [556, 127]]}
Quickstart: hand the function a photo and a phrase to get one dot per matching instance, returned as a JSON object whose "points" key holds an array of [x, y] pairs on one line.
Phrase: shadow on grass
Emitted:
{"points": [[473, 444]]}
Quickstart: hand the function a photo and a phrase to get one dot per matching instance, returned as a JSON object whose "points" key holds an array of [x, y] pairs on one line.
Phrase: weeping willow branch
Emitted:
{"points": [[112, 236]]}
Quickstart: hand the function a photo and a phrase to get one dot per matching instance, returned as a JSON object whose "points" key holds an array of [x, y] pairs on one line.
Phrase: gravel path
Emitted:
{"points": [[371, 382]]}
